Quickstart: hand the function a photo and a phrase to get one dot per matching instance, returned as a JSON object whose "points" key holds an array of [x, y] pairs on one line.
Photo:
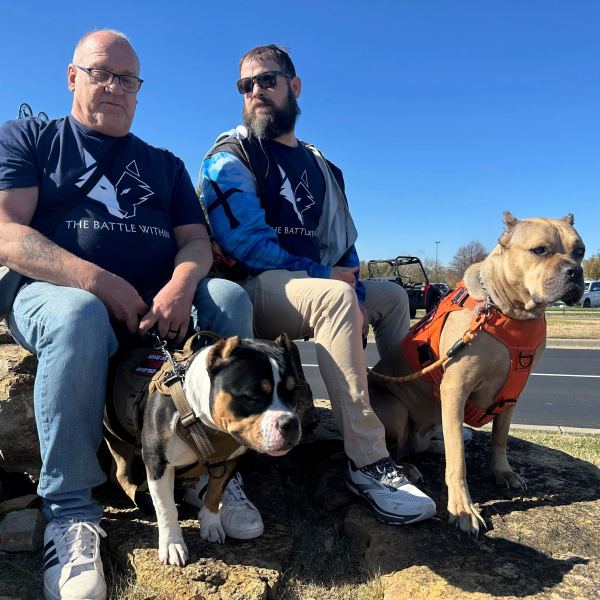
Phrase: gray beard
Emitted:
{"points": [[273, 122]]}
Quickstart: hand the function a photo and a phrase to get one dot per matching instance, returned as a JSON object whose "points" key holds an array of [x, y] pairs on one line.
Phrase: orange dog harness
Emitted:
{"points": [[421, 347]]}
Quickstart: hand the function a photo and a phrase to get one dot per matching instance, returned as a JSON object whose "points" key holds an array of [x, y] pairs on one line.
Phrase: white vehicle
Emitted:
{"points": [[591, 294]]}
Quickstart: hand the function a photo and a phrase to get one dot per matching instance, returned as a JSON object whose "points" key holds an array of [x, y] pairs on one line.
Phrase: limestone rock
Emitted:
{"points": [[22, 531], [236, 570], [19, 447]]}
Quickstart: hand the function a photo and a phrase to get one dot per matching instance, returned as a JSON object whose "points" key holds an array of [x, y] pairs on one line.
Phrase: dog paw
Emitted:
{"points": [[211, 529], [466, 517], [172, 552], [510, 479]]}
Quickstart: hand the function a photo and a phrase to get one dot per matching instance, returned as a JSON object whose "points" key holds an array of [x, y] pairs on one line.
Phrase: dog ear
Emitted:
{"points": [[220, 353], [570, 219], [509, 224]]}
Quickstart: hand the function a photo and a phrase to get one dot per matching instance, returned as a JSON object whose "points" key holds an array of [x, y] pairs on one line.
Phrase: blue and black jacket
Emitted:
{"points": [[239, 179]]}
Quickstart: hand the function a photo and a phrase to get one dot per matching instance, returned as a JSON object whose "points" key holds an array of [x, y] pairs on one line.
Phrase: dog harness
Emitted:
{"points": [[141, 372], [421, 347]]}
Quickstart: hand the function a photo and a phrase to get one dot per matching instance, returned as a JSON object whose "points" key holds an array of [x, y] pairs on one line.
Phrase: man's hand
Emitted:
{"points": [[120, 298], [170, 312], [346, 274]]}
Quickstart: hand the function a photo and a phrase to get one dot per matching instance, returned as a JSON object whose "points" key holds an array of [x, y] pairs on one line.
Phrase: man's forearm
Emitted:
{"points": [[32, 254], [193, 262]]}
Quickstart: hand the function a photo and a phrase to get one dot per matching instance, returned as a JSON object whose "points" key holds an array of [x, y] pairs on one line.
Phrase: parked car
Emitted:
{"points": [[442, 287], [591, 294], [408, 271]]}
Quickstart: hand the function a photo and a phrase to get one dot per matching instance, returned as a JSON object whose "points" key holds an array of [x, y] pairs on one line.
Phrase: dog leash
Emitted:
{"points": [[481, 313], [173, 381]]}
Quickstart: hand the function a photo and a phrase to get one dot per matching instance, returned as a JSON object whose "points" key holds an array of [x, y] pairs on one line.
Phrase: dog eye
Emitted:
{"points": [[579, 252], [539, 250]]}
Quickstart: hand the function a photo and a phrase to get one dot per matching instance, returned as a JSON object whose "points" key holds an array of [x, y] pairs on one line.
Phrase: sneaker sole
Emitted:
{"points": [[50, 595], [389, 518], [244, 535]]}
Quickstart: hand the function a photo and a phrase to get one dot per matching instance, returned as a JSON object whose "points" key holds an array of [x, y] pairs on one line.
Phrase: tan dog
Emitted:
{"points": [[536, 262]]}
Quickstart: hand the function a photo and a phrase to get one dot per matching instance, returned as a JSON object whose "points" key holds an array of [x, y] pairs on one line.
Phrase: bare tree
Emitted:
{"points": [[465, 256]]}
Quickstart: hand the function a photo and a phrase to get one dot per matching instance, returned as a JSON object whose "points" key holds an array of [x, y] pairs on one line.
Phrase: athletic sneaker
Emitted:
{"points": [[436, 443], [239, 517], [389, 493], [72, 564]]}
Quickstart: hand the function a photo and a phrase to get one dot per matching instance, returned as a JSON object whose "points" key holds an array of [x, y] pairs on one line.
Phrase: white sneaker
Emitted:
{"points": [[239, 517], [72, 564], [436, 443], [389, 493]]}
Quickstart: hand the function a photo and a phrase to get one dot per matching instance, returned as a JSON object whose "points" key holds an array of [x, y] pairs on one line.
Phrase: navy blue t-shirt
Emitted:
{"points": [[125, 224], [295, 211]]}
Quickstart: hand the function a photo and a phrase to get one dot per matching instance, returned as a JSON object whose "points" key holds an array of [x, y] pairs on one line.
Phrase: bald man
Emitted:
{"points": [[109, 237]]}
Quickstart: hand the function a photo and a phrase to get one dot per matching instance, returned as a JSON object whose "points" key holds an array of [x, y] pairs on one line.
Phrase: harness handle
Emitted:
{"points": [[481, 314]]}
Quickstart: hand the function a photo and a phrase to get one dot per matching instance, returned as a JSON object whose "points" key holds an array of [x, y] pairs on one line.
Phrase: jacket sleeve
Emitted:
{"points": [[237, 219]]}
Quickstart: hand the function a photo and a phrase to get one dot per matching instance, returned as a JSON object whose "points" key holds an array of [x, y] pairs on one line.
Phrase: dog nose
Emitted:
{"points": [[574, 272], [288, 426]]}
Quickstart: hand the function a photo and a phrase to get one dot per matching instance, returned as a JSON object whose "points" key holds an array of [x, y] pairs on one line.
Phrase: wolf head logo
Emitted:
{"points": [[121, 199], [301, 199]]}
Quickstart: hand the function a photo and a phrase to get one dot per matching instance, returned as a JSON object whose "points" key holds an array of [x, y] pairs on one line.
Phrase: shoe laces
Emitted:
{"points": [[234, 491], [386, 472], [82, 541]]}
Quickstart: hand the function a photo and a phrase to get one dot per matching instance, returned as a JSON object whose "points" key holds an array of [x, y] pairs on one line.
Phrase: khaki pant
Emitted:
{"points": [[328, 310]]}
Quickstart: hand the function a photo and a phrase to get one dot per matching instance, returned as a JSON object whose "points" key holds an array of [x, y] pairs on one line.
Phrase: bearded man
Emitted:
{"points": [[278, 207]]}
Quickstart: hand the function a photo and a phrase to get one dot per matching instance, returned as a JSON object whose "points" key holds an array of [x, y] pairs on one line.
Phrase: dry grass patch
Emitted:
{"points": [[583, 446]]}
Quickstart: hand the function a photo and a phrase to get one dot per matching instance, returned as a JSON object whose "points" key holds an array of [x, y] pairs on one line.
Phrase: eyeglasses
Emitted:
{"points": [[128, 83], [265, 80]]}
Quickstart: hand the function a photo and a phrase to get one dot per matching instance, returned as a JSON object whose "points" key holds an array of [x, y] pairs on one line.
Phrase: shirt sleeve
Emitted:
{"points": [[185, 206], [18, 158], [237, 219]]}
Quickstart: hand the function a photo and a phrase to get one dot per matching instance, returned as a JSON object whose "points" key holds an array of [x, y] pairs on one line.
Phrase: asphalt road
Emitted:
{"points": [[564, 390]]}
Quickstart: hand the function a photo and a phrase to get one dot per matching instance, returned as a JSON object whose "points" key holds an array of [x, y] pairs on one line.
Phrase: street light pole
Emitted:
{"points": [[437, 245]]}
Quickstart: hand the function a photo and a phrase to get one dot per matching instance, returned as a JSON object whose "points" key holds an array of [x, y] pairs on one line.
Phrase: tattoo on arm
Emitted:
{"points": [[37, 248]]}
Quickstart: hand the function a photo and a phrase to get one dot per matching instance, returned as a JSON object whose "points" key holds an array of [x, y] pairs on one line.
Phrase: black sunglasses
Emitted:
{"points": [[265, 80]]}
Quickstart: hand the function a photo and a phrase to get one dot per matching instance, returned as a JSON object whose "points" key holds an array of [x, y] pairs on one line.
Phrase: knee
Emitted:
{"points": [[230, 297], [81, 316], [340, 292], [225, 307], [396, 293]]}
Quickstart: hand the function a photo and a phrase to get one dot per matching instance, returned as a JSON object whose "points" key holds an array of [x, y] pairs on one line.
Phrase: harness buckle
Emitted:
{"points": [[188, 419], [170, 378]]}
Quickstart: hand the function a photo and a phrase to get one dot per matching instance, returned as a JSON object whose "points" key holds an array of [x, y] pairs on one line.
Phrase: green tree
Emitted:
{"points": [[591, 266]]}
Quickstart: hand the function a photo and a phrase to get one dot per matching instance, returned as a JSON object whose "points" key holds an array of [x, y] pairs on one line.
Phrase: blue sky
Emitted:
{"points": [[442, 114]]}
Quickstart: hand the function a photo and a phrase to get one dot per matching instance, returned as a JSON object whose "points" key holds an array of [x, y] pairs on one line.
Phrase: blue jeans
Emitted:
{"points": [[70, 332]]}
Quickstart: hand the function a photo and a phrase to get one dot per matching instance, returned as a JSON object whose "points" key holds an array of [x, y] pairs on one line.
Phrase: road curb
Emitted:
{"points": [[575, 344], [549, 428], [572, 343]]}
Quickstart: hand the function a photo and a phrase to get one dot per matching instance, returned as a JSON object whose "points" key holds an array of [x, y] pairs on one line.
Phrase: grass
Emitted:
{"points": [[565, 322], [583, 446]]}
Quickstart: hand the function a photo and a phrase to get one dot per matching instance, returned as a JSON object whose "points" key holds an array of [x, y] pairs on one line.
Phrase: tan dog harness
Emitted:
{"points": [[421, 347], [141, 372]]}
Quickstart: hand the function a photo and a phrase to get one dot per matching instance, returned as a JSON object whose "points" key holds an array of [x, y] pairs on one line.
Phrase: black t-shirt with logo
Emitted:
{"points": [[295, 211], [125, 224]]}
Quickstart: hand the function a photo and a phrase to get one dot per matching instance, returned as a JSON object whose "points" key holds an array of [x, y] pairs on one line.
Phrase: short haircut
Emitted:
{"points": [[119, 34], [279, 54]]}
